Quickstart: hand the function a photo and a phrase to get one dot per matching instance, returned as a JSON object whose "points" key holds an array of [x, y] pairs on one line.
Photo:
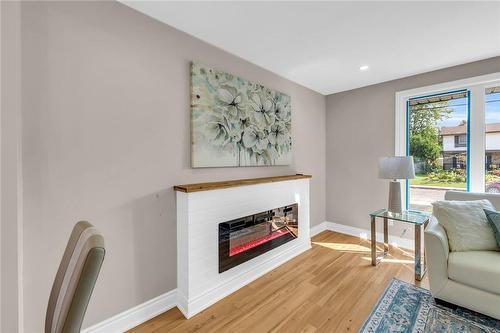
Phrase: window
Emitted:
{"points": [[437, 132], [492, 140], [460, 140], [464, 155]]}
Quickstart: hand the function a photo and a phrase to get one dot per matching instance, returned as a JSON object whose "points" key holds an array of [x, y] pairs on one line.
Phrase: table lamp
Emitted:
{"points": [[394, 168]]}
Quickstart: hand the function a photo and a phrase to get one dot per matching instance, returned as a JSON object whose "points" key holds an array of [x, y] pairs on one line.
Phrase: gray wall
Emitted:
{"points": [[359, 130], [106, 134], [10, 167]]}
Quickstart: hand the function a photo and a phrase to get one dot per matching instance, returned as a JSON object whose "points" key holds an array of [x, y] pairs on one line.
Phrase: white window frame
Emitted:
{"points": [[476, 86]]}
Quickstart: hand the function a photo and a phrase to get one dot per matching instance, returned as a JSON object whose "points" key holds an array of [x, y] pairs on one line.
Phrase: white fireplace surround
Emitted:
{"points": [[199, 283]]}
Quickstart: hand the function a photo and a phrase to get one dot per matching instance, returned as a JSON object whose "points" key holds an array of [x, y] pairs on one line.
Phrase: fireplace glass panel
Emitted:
{"points": [[248, 237]]}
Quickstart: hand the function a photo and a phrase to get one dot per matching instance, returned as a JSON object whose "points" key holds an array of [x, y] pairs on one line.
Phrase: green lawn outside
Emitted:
{"points": [[423, 181]]}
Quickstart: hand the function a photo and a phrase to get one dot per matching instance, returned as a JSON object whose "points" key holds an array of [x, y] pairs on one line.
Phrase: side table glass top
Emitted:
{"points": [[409, 216]]}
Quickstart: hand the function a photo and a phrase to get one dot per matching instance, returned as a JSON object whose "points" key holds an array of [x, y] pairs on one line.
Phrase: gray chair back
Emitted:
{"points": [[464, 196], [75, 279]]}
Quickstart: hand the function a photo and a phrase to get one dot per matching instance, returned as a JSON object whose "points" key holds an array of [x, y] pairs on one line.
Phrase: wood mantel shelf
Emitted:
{"points": [[188, 188]]}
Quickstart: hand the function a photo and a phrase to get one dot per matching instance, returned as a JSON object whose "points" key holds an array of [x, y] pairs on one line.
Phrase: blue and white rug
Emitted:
{"points": [[406, 308]]}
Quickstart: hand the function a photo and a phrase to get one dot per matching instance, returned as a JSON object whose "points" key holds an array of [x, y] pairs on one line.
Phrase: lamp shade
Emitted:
{"points": [[396, 167]]}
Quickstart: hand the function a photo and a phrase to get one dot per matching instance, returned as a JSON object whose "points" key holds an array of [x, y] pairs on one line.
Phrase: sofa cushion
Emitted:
{"points": [[479, 269], [466, 225], [494, 220]]}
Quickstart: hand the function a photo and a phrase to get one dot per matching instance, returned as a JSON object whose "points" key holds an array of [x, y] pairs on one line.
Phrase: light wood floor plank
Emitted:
{"points": [[330, 288]]}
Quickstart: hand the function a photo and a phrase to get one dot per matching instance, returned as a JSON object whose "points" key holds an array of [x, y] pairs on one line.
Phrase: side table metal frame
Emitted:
{"points": [[420, 261]]}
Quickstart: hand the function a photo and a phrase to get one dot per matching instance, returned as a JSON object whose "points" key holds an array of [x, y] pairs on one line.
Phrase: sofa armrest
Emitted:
{"points": [[437, 250]]}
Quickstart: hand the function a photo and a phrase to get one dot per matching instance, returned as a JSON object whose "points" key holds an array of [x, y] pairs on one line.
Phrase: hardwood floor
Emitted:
{"points": [[330, 288]]}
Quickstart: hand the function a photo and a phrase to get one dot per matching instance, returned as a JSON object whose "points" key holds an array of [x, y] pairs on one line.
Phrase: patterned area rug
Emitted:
{"points": [[406, 308]]}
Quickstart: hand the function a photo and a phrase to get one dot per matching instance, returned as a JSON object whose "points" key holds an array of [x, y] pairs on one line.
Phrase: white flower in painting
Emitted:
{"points": [[263, 107], [217, 130], [249, 137], [278, 134], [230, 102], [282, 110], [255, 139]]}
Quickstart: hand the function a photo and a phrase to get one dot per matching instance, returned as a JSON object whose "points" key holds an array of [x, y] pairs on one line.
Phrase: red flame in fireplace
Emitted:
{"points": [[256, 242]]}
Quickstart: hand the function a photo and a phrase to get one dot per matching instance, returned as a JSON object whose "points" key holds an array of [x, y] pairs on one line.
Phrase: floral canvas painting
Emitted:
{"points": [[236, 122]]}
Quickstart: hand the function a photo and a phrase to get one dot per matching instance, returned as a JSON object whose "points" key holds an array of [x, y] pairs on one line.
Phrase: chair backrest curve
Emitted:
{"points": [[75, 279]]}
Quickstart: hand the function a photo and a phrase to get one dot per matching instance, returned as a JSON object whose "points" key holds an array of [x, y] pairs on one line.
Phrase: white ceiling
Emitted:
{"points": [[321, 45]]}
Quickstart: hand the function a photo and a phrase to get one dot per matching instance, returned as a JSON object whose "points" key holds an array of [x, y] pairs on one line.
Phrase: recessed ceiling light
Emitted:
{"points": [[364, 68]]}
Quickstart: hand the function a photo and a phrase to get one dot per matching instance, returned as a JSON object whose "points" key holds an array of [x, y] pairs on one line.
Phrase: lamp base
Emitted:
{"points": [[395, 205]]}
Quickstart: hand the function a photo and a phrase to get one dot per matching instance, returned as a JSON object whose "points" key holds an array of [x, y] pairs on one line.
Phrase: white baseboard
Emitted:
{"points": [[319, 228], [135, 316], [361, 233], [147, 310]]}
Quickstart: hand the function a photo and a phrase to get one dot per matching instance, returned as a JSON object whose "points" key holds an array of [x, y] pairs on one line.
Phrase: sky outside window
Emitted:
{"points": [[459, 114], [492, 111]]}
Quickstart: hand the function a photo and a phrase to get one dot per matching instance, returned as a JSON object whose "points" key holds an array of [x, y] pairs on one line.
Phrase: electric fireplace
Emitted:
{"points": [[250, 236]]}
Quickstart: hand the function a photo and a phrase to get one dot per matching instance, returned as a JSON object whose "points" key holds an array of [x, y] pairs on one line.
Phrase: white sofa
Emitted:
{"points": [[469, 279]]}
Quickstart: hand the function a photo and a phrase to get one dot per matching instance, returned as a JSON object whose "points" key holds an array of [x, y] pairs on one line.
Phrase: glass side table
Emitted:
{"points": [[418, 219]]}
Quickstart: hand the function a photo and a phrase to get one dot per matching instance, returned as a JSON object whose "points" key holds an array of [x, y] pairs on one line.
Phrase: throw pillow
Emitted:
{"points": [[494, 220], [466, 224]]}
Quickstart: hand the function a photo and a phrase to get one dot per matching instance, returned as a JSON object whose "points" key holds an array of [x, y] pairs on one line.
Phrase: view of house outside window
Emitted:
{"points": [[438, 138], [492, 140]]}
